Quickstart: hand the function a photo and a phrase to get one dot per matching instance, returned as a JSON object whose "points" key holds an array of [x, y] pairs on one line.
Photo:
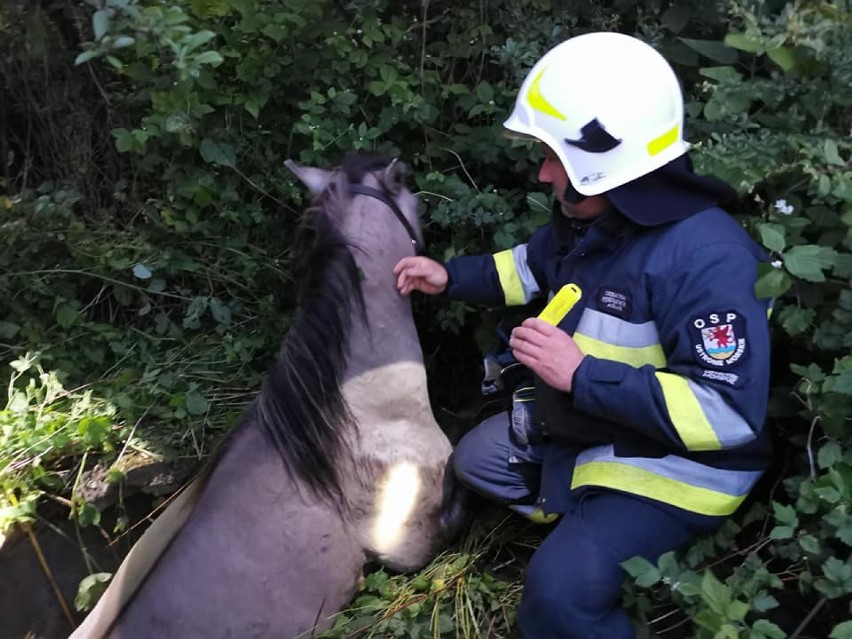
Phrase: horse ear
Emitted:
{"points": [[393, 177], [317, 180]]}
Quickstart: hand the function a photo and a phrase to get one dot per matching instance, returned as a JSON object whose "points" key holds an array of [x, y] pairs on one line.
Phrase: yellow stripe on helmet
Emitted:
{"points": [[538, 102], [664, 141]]}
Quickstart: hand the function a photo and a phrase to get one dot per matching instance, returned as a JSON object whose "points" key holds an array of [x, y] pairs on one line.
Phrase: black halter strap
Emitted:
{"points": [[382, 196]]}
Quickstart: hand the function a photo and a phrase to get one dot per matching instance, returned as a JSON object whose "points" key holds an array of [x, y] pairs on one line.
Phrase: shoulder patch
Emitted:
{"points": [[719, 339]]}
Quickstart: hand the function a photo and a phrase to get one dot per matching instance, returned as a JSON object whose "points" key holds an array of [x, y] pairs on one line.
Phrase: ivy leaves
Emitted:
{"points": [[217, 153]]}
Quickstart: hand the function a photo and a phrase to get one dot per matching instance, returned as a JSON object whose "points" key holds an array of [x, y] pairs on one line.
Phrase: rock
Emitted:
{"points": [[136, 472]]}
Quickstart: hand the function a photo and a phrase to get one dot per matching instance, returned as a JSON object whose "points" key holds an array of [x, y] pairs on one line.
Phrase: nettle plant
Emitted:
{"points": [[46, 434]]}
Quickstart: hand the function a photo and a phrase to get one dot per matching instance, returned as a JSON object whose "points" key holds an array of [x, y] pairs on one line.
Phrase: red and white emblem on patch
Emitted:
{"points": [[719, 341], [722, 341]]}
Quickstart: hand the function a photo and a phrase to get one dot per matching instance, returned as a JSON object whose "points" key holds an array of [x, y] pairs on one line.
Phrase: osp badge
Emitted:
{"points": [[719, 338]]}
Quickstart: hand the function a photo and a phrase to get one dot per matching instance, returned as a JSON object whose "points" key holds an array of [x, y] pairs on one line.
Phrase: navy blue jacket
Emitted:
{"points": [[670, 401]]}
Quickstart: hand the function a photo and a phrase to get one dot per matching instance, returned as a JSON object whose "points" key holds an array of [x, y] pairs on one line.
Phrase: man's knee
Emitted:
{"points": [[576, 594], [471, 457], [485, 461], [552, 586]]}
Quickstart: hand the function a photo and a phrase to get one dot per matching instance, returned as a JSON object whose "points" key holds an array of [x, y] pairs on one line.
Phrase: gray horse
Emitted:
{"points": [[337, 463]]}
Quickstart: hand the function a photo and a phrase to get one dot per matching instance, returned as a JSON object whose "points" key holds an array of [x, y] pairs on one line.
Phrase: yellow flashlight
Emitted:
{"points": [[558, 307]]}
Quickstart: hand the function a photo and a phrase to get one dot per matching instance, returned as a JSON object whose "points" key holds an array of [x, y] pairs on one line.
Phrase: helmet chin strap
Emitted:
{"points": [[572, 195]]}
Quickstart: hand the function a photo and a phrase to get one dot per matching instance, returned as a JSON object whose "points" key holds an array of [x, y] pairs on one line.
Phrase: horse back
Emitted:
{"points": [[257, 557]]}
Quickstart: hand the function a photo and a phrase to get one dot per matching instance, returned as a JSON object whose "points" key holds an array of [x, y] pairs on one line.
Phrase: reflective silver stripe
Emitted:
{"points": [[609, 337], [731, 482], [617, 332], [528, 282], [730, 428]]}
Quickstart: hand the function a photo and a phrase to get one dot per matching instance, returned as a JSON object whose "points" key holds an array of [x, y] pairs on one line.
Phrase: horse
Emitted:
{"points": [[337, 463]]}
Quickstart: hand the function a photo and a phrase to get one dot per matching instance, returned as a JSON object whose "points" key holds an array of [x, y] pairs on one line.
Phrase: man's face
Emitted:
{"points": [[552, 172]]}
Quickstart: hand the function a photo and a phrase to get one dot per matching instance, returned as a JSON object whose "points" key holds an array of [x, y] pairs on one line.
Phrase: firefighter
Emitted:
{"points": [[647, 427]]}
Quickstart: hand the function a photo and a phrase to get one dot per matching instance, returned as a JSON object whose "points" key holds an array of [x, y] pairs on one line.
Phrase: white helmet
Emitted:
{"points": [[608, 105]]}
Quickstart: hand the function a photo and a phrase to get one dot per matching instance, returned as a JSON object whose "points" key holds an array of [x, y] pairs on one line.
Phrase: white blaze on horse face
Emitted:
{"points": [[396, 501]]}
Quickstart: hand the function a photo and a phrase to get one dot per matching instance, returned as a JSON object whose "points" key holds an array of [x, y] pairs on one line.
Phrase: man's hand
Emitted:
{"points": [[548, 351], [420, 274]]}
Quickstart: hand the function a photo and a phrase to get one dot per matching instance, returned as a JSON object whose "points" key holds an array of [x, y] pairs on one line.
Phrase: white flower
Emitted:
{"points": [[782, 207], [776, 264]]}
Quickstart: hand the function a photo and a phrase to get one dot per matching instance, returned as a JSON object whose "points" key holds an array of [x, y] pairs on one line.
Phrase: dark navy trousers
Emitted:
{"points": [[572, 585]]}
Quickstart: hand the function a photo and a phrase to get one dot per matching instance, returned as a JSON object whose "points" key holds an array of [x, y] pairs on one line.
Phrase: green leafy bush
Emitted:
{"points": [[44, 430]]}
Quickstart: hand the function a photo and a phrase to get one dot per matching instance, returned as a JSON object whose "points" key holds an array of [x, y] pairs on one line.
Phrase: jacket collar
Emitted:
{"points": [[604, 232]]}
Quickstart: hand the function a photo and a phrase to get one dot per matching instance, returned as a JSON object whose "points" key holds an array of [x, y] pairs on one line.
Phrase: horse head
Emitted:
{"points": [[368, 220]]}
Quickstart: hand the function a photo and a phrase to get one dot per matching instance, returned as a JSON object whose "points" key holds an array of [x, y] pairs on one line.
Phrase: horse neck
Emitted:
{"points": [[388, 336]]}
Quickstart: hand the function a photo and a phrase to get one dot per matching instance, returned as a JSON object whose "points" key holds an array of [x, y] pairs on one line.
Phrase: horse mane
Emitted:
{"points": [[301, 406]]}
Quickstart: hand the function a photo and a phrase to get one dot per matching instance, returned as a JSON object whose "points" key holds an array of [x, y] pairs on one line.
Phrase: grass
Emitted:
{"points": [[469, 591]]}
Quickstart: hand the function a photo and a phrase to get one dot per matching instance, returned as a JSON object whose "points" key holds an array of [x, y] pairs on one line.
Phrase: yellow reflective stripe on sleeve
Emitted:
{"points": [[538, 102], [664, 141], [635, 356], [510, 281], [639, 481], [686, 414]]}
